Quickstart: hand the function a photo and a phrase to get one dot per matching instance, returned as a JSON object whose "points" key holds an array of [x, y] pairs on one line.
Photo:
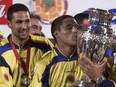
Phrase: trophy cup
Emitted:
{"points": [[98, 40], [101, 35]]}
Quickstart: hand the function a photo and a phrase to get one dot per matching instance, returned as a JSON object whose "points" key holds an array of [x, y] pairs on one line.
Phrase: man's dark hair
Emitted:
{"points": [[56, 24], [36, 16], [80, 17], [15, 8]]}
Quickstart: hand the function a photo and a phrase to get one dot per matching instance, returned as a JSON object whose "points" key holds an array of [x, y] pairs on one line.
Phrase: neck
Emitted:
{"points": [[18, 41], [66, 50]]}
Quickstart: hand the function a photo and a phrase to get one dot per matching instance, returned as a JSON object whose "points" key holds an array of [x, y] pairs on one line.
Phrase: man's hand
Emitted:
{"points": [[93, 71]]}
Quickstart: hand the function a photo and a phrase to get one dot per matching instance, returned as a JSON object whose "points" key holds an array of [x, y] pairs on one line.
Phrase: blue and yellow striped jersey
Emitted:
{"points": [[39, 45], [56, 70]]}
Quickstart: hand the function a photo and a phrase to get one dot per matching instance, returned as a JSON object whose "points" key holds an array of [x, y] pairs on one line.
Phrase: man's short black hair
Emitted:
{"points": [[15, 8], [56, 24]]}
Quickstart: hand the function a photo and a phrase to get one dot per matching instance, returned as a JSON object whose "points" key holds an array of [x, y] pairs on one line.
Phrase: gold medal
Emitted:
{"points": [[25, 80]]}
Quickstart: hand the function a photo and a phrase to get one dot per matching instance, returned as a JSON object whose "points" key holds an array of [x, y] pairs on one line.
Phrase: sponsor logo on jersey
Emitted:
{"points": [[71, 79]]}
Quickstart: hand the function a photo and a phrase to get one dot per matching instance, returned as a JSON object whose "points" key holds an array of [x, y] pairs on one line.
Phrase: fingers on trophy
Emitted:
{"points": [[97, 41]]}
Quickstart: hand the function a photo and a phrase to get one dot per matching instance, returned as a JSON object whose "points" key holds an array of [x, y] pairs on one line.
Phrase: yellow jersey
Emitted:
{"points": [[38, 46]]}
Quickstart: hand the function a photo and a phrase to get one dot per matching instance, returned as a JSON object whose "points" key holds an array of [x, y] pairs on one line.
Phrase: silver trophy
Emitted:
{"points": [[102, 34], [99, 39]]}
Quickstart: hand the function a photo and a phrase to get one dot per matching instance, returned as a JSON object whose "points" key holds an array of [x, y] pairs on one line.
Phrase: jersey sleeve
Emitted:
{"points": [[41, 74], [5, 74]]}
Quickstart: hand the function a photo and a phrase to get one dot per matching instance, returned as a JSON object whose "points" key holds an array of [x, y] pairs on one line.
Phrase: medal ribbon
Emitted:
{"points": [[24, 65]]}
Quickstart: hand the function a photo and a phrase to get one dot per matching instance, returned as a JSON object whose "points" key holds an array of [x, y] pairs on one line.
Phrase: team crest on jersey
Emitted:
{"points": [[50, 9], [6, 77], [71, 79]]}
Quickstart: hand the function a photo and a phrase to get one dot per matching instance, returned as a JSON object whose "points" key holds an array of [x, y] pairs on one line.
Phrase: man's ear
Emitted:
{"points": [[56, 34], [9, 23]]}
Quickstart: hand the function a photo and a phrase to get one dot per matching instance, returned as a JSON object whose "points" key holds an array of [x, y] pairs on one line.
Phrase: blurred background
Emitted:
{"points": [[50, 9]]}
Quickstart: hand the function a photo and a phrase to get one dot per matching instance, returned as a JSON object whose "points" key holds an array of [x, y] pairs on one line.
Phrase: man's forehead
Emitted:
{"points": [[69, 21], [21, 14]]}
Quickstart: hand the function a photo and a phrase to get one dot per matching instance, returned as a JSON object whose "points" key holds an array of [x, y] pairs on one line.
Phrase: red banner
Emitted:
{"points": [[4, 5]]}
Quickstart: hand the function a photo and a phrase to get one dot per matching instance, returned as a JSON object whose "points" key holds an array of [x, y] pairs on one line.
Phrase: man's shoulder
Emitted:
{"points": [[3, 62], [40, 39], [4, 41], [47, 58], [49, 55]]}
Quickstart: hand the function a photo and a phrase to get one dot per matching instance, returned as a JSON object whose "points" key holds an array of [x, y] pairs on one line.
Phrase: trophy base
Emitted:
{"points": [[85, 84]]}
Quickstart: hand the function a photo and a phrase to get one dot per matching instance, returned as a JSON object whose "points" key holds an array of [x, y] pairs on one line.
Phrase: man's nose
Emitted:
{"points": [[24, 25]]}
